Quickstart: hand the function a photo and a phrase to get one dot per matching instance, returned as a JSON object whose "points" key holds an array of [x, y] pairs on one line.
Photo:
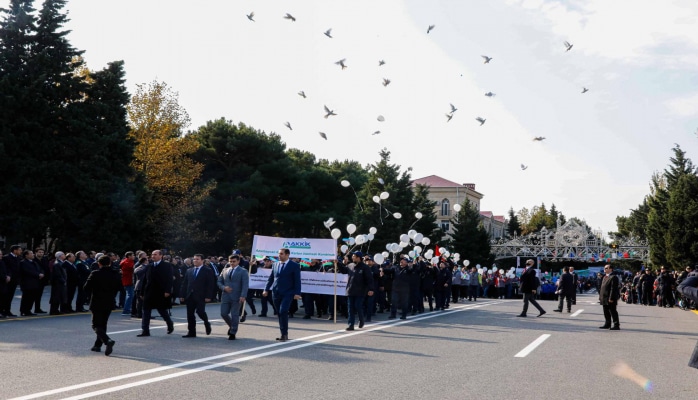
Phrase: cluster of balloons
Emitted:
{"points": [[353, 241], [484, 271]]}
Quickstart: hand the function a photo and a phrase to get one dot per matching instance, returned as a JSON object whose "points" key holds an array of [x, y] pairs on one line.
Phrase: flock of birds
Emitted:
{"points": [[386, 82]]}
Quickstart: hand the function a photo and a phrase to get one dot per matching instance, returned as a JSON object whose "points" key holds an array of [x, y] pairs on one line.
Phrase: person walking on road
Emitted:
{"points": [[566, 289], [284, 284], [234, 282], [529, 285], [198, 288], [608, 297], [103, 284], [156, 291]]}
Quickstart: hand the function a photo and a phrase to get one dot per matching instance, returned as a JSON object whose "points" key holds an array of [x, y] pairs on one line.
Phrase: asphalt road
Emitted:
{"points": [[471, 351]]}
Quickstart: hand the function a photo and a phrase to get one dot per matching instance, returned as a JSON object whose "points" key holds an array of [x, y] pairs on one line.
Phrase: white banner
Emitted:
{"points": [[268, 246], [311, 282]]}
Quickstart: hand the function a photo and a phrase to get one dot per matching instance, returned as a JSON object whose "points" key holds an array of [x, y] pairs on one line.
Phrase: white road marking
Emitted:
{"points": [[377, 326], [577, 313], [532, 346]]}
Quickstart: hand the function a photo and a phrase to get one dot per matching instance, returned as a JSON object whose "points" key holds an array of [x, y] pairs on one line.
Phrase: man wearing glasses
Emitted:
{"points": [[608, 297]]}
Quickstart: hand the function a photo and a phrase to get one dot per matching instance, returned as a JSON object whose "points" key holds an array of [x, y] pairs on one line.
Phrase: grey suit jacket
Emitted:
{"points": [[237, 279]]}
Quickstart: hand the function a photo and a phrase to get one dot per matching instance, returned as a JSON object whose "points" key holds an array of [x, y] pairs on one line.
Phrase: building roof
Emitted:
{"points": [[435, 181], [486, 214], [500, 218]]}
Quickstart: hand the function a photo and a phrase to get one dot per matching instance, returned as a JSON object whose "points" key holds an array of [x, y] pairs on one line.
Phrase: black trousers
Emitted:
{"points": [[610, 312], [37, 299], [28, 299], [198, 306], [99, 325], [7, 298]]}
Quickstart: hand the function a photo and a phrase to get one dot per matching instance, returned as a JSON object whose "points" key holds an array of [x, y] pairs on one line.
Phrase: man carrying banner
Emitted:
{"points": [[285, 285]]}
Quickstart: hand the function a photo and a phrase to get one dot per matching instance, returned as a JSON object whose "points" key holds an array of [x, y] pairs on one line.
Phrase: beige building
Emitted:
{"points": [[495, 225]]}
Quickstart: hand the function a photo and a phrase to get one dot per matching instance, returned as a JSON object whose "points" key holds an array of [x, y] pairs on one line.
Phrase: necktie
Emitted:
{"points": [[230, 274], [281, 268], [196, 272]]}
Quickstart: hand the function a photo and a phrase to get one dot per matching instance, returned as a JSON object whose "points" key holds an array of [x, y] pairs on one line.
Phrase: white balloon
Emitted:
{"points": [[429, 253], [418, 215], [443, 250], [344, 248], [370, 236], [397, 215], [404, 238], [411, 253], [385, 254], [457, 207], [336, 233], [426, 241], [418, 238], [346, 183], [477, 266], [378, 258], [403, 244], [385, 195], [435, 260], [466, 262], [388, 246], [479, 271], [360, 240], [351, 241], [501, 271], [376, 199], [399, 248], [372, 230], [510, 275], [445, 253], [394, 247], [411, 233], [351, 228], [417, 249]]}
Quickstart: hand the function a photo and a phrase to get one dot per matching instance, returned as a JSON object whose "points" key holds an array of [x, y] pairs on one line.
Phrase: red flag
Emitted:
{"points": [[437, 252]]}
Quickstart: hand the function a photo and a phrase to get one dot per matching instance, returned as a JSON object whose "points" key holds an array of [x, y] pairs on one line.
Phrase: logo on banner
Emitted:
{"points": [[297, 245]]}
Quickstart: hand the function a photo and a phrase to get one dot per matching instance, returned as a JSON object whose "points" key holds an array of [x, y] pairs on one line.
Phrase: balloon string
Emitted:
{"points": [[357, 198]]}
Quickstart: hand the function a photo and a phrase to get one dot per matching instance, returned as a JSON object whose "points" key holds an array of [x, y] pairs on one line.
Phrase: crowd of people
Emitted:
{"points": [[657, 288]]}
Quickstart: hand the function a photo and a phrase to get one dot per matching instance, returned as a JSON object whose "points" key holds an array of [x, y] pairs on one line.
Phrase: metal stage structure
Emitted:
{"points": [[570, 241]]}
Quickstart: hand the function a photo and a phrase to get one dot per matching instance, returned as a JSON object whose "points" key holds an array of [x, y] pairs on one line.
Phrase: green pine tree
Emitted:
{"points": [[469, 237]]}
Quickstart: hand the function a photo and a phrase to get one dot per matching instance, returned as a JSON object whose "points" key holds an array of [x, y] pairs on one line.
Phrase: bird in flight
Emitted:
{"points": [[381, 62], [381, 181], [490, 94], [329, 112], [584, 90], [289, 16], [523, 167], [480, 120], [453, 108], [328, 33], [288, 125], [448, 117], [376, 133], [430, 28], [250, 16], [328, 224], [380, 118], [302, 94], [341, 63], [386, 81], [568, 46], [487, 59], [322, 134], [539, 138]]}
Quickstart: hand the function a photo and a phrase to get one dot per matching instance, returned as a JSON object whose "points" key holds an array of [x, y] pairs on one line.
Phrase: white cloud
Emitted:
{"points": [[684, 106]]}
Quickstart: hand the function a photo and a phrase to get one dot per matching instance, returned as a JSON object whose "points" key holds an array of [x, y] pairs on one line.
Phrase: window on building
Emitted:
{"points": [[445, 226], [445, 208]]}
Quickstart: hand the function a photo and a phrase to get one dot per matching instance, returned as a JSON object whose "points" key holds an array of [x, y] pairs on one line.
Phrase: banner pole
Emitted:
{"points": [[249, 270], [335, 290]]}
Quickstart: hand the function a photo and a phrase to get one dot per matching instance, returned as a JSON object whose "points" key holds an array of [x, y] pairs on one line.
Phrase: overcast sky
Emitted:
{"points": [[639, 60]]}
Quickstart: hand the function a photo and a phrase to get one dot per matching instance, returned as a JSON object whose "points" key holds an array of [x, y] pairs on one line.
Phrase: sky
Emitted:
{"points": [[638, 59]]}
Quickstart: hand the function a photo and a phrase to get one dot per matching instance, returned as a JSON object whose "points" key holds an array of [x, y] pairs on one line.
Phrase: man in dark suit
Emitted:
{"points": [[285, 286], [575, 283], [103, 284], [11, 261], [156, 292], [30, 282], [234, 283], [529, 286], [565, 289], [41, 259], [59, 279], [196, 291], [359, 285], [608, 297], [73, 279]]}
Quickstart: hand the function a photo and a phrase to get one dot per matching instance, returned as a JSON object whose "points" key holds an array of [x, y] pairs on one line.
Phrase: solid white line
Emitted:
{"points": [[577, 313], [378, 326], [532, 346]]}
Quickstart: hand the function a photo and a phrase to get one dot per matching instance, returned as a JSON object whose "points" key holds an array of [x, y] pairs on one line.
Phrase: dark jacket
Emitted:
{"points": [[610, 290], [103, 284], [29, 272], [360, 280], [286, 282], [198, 287], [12, 267], [401, 279], [529, 281], [566, 286], [3, 277], [157, 281], [443, 276], [59, 294]]}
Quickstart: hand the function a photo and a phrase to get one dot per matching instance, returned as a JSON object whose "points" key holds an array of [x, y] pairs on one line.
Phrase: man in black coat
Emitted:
{"points": [[529, 286], [609, 293], [11, 261], [103, 285], [41, 259], [197, 290], [73, 280], [59, 288], [401, 289], [442, 285], [566, 289], [156, 292], [359, 285], [30, 282]]}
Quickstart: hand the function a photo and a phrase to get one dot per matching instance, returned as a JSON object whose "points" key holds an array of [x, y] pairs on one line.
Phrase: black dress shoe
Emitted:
{"points": [[110, 347], [361, 324], [614, 328], [170, 328], [27, 314], [188, 335], [605, 327], [55, 313], [231, 337], [403, 317], [39, 312], [391, 317], [556, 310], [263, 315], [243, 318], [522, 315], [207, 325], [283, 338], [542, 313], [143, 334], [10, 315], [350, 328], [306, 317], [96, 349]]}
